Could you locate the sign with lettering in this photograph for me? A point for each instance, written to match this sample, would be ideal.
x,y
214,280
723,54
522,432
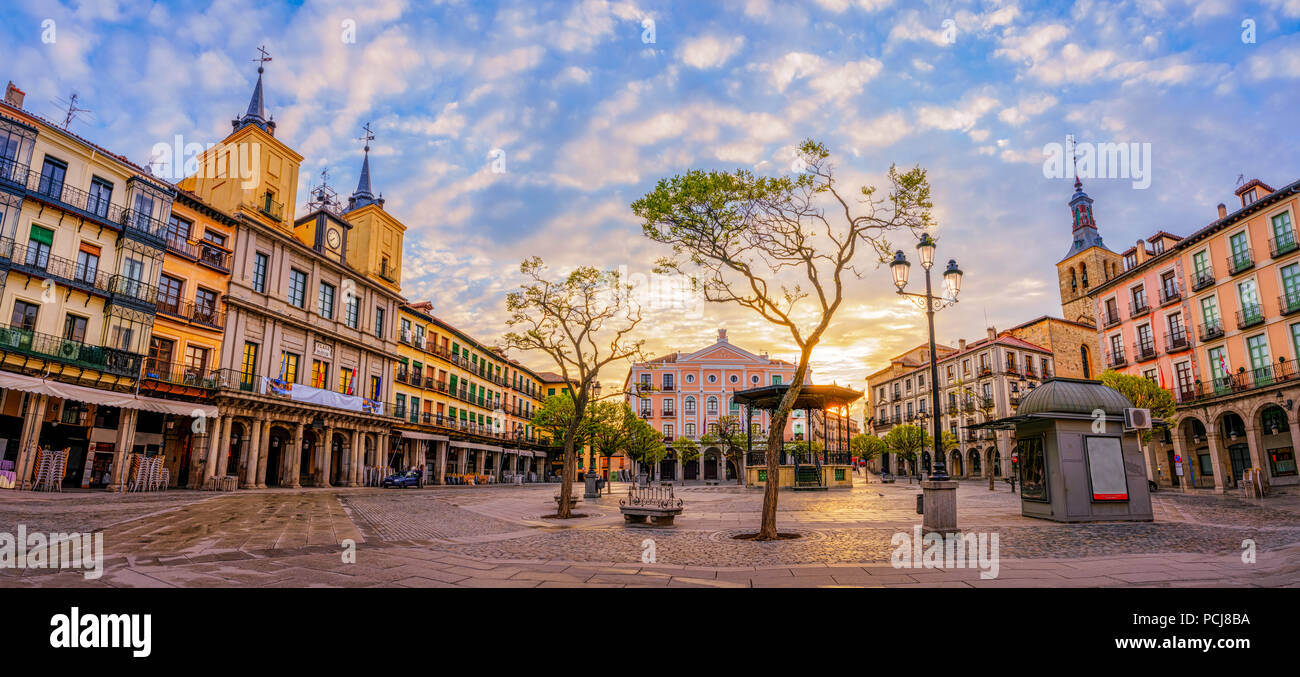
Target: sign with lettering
x,y
324,350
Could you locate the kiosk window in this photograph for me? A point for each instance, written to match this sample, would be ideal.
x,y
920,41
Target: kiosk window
x,y
1106,472
1033,469
1283,461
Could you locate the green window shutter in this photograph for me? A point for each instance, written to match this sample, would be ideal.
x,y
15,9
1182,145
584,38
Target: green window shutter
x,y
44,235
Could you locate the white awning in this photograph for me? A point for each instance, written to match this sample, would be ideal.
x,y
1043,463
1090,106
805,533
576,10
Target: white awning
x,y
472,445
109,398
411,435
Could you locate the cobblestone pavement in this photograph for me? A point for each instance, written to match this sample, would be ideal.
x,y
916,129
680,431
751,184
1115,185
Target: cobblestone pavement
x,y
498,536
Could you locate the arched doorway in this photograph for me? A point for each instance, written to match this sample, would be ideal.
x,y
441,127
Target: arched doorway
x,y
338,459
711,464
884,464
974,463
1234,438
1086,360
667,469
955,461
731,470
278,446
238,438
691,470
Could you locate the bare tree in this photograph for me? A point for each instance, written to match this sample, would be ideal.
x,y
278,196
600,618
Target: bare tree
x,y
582,322
769,243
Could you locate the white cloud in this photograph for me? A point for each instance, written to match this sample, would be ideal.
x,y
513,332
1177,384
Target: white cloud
x,y
1029,106
709,51
962,117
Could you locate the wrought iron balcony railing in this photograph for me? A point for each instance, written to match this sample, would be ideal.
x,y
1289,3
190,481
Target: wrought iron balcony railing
x,y
68,351
1239,262
1250,315
1283,244
1144,351
1175,341
1203,279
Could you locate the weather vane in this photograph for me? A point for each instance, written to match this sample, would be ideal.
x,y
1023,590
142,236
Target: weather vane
x,y
266,56
367,137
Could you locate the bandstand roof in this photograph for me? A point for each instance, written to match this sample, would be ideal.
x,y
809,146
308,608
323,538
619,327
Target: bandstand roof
x,y
810,396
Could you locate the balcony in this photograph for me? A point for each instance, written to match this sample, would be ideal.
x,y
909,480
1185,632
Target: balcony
x,y
1144,351
68,351
268,206
214,257
189,250
1240,262
1203,279
645,413
669,412
1116,358
1176,341
1170,294
387,272
1243,381
984,370
1289,302
1110,318
144,227
133,290
200,313
1211,330
166,372
1250,316
1138,307
1282,245
66,271
669,387
13,173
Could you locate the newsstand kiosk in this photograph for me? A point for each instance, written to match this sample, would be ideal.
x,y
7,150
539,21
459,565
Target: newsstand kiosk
x,y
1076,461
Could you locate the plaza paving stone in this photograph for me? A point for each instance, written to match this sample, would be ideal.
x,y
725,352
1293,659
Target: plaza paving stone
x,y
498,537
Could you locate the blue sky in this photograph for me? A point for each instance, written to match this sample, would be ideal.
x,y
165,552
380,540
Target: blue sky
x,y
589,113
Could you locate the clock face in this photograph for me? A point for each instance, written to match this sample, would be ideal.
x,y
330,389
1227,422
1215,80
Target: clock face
x,y
332,237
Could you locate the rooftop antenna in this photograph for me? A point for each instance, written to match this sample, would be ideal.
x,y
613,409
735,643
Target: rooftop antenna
x,y
1241,178
324,197
72,109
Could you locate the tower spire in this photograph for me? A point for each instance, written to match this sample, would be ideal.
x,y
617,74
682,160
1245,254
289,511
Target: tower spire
x,y
256,113
363,194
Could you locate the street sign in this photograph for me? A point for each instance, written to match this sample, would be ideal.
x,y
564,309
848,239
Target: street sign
x,y
1178,458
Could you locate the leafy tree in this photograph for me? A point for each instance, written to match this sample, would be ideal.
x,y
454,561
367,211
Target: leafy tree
x,y
1144,394
730,438
645,445
867,447
770,243
611,424
907,442
583,322
686,450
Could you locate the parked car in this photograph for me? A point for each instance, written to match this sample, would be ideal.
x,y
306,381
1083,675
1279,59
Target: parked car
x,y
410,478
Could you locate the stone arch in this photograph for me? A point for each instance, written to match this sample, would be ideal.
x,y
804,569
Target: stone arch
x,y
974,467
1086,359
956,468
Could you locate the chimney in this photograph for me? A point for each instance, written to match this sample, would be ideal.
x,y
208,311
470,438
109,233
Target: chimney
x,y
1223,210
14,96
961,344
993,333
1141,251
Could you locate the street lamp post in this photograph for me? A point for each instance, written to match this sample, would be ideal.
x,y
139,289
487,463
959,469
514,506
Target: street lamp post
x,y
939,490
930,304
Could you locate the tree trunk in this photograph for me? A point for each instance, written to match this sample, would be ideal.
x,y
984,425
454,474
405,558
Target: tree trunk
x,y
566,481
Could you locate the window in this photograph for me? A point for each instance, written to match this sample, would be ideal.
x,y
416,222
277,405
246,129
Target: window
x,y
214,237
1139,299
345,380
289,367
1291,287
711,405
1201,265
39,242
351,308
1146,344
1033,469
161,351
87,269
319,373
1248,295
24,316
297,288
178,231
74,328
1240,256
326,300
52,174
101,195
1260,362
260,262
667,382
668,430
776,379
170,290
249,366
379,322
1219,368
689,403
1168,286
690,430
375,385
713,378
205,306
196,361
735,378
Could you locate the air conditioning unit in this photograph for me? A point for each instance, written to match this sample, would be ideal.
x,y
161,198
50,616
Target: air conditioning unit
x,y
1137,419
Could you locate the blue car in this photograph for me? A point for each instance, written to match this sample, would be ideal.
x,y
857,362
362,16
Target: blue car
x,y
410,478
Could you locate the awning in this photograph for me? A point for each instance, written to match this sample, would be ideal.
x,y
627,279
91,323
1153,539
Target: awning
x,y
411,435
109,398
472,445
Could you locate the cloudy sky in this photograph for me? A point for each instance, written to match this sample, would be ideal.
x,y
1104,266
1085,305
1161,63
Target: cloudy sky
x,y
586,104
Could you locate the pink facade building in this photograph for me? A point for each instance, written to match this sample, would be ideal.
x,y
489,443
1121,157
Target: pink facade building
x,y
684,394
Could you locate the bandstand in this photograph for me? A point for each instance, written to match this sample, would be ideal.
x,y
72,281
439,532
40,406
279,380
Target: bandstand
x,y
802,469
